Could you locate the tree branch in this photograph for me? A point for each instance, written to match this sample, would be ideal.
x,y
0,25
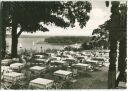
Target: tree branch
x,y
19,33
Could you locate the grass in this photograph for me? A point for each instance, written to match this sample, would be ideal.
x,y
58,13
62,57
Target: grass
x,y
97,80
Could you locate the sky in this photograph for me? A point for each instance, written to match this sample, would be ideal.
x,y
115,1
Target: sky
x,y
98,15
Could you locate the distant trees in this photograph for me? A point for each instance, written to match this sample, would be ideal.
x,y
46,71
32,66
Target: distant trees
x,y
67,40
87,46
101,36
28,15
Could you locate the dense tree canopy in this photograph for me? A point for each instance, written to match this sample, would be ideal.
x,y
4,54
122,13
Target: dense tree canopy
x,y
28,15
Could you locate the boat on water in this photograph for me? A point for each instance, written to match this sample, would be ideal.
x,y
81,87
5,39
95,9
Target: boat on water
x,y
20,45
33,43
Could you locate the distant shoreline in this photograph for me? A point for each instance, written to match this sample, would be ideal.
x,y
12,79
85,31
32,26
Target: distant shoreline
x,y
55,40
55,43
39,36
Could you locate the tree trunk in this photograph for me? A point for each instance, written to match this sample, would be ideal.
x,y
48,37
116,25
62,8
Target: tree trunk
x,y
122,55
0,39
114,32
14,41
122,64
3,31
3,51
112,60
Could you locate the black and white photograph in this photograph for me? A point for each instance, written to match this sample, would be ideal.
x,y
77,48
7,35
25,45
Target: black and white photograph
x,y
63,44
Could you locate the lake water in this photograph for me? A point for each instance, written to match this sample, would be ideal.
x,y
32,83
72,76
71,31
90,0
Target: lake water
x,y
31,43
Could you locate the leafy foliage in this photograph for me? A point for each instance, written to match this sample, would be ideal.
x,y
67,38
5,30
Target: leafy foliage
x,y
115,25
77,11
29,14
101,35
